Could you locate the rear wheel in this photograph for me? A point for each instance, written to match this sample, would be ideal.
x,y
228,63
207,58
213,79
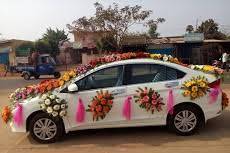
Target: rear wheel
x,y
45,129
186,120
26,76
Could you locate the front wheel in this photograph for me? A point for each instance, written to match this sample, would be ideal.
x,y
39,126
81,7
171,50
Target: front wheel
x,y
186,120
45,129
57,75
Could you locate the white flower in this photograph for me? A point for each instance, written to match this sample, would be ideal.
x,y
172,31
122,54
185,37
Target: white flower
x,y
47,102
49,110
17,90
44,96
43,106
193,67
55,113
56,107
165,58
58,100
63,106
52,96
62,113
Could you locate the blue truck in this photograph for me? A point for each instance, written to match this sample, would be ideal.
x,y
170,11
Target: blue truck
x,y
45,65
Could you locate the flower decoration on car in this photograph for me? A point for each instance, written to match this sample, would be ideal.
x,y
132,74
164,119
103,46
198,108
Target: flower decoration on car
x,y
149,99
48,85
100,105
196,87
208,69
6,114
225,100
53,105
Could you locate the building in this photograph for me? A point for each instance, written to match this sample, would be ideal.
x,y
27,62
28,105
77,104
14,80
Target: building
x,y
8,51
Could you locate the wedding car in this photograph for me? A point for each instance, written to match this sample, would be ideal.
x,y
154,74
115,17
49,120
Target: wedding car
x,y
127,93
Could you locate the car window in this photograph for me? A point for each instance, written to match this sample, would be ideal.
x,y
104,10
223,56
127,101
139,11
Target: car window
x,y
174,74
143,73
109,77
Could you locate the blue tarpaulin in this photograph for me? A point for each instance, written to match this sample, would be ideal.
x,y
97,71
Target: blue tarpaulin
x,y
168,51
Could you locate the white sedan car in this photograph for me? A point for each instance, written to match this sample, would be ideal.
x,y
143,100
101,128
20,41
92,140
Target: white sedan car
x,y
123,79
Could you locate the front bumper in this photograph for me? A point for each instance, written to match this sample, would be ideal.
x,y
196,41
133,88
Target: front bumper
x,y
15,128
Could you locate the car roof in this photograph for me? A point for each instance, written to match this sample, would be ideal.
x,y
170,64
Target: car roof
x,y
144,61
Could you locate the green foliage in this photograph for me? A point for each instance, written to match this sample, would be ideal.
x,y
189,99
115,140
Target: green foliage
x,y
153,32
42,46
189,28
211,30
53,37
26,45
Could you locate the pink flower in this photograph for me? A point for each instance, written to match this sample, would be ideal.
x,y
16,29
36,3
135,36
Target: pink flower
x,y
154,102
146,98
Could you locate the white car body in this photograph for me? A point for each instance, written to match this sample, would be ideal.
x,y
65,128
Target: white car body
x,y
114,118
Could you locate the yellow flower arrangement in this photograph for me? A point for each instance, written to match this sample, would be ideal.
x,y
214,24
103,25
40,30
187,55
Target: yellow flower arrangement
x,y
196,87
156,56
67,77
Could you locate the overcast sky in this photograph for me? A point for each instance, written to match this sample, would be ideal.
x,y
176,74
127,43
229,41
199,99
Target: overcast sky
x,y
28,19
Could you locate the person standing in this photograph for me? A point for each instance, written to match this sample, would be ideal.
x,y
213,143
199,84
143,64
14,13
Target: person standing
x,y
224,60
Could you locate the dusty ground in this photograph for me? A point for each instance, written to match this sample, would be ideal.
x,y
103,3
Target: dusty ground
x,y
215,137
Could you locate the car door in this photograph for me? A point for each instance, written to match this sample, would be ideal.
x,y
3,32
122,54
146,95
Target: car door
x,y
107,79
139,77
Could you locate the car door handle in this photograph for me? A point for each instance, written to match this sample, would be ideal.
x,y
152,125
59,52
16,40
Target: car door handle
x,y
171,84
118,91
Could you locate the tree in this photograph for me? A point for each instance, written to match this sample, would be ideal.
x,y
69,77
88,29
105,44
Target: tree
x,y
53,37
189,28
115,20
42,46
106,43
211,30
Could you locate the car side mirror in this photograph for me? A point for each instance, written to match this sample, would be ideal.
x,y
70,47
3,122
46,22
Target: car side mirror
x,y
73,87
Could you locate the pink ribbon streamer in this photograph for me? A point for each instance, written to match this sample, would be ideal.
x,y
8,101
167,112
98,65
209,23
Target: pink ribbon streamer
x,y
170,102
213,95
80,114
18,115
126,112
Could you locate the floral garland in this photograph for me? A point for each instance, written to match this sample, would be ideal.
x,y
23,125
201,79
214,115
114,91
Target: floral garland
x,y
100,105
53,105
149,99
208,69
21,94
196,87
6,114
225,100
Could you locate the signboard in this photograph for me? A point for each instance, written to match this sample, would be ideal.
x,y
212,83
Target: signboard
x,y
193,37
22,60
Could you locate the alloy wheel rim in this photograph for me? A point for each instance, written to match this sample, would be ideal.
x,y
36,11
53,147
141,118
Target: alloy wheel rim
x,y
185,121
45,129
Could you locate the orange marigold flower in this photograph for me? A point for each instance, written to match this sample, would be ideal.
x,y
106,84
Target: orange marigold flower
x,y
6,114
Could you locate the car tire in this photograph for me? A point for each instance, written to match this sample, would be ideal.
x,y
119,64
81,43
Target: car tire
x,y
57,75
185,120
36,76
46,129
26,76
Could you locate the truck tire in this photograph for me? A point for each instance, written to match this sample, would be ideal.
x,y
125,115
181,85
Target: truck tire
x,y
26,76
36,76
57,75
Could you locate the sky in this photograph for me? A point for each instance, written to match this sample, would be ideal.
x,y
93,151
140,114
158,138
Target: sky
x,y
28,19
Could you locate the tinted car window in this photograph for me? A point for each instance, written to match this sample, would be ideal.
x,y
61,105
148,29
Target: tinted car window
x,y
174,74
108,77
143,73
